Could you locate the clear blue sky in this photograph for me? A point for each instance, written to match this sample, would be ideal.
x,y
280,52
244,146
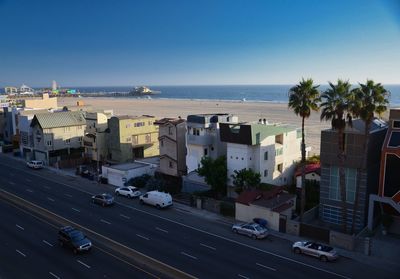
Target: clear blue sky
x,y
173,42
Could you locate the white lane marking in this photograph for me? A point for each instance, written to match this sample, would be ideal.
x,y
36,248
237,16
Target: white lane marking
x,y
141,236
124,216
19,227
19,252
55,276
50,199
104,221
190,256
209,247
74,209
68,195
10,182
159,229
44,241
242,276
47,187
199,230
28,180
29,190
82,263
267,267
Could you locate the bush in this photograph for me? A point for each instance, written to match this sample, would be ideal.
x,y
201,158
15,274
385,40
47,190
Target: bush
x,y
139,181
227,209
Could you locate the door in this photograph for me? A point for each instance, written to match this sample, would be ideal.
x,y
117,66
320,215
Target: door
x,y
138,152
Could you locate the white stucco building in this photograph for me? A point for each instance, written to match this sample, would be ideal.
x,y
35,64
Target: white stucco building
x,y
269,149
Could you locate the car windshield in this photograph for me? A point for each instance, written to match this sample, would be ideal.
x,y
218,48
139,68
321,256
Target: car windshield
x,y
258,228
326,248
107,196
77,235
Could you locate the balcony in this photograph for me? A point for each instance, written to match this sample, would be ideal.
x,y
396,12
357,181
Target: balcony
x,y
200,140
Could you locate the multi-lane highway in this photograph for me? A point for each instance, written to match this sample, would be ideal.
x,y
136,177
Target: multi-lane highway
x,y
195,246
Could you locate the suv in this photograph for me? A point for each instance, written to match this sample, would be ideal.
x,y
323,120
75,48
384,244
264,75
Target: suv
x,y
34,164
74,239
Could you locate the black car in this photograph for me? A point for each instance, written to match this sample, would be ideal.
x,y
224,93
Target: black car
x,y
74,239
103,199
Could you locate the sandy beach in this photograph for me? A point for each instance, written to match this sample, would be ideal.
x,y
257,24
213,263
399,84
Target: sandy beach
x,y
247,111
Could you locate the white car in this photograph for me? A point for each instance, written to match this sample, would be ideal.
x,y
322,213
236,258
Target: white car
x,y
34,164
128,191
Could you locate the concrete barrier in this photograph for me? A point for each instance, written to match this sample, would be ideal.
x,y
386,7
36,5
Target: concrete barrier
x,y
130,253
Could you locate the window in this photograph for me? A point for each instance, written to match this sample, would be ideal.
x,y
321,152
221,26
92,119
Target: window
x,y
279,151
148,138
169,130
279,168
67,129
80,139
196,132
67,141
79,127
129,139
135,139
49,143
162,143
266,155
265,173
334,187
139,124
171,165
205,151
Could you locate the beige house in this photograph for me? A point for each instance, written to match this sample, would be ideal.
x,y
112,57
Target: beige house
x,y
275,206
172,138
44,103
58,136
95,139
132,137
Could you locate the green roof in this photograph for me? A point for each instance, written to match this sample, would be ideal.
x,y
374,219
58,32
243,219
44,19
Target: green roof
x,y
261,131
59,119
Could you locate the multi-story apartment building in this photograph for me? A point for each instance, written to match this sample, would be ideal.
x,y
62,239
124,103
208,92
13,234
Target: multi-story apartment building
x,y
132,137
330,198
58,136
172,138
203,137
95,139
388,196
269,149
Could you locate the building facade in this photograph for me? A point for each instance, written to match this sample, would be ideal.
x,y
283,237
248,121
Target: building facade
x,y
203,137
132,137
330,197
268,149
58,136
172,140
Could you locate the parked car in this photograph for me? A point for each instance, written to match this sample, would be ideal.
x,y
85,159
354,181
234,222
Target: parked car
x,y
103,199
157,199
128,191
253,230
73,239
261,222
323,252
35,164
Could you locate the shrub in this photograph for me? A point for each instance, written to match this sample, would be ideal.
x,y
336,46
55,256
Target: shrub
x,y
227,209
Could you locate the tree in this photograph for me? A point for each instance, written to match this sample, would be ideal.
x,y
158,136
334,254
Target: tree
x,y
245,179
335,105
367,100
303,98
215,173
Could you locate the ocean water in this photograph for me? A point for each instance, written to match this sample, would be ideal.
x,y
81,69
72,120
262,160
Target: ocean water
x,y
266,93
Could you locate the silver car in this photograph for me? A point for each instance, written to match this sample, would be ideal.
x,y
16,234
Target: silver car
x,y
253,230
323,252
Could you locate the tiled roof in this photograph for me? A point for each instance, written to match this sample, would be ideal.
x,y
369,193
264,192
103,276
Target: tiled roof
x,y
309,169
59,119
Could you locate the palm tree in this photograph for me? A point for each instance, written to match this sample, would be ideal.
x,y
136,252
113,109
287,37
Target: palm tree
x,y
335,107
368,99
303,98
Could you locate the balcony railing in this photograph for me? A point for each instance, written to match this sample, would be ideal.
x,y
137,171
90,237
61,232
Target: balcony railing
x,y
200,140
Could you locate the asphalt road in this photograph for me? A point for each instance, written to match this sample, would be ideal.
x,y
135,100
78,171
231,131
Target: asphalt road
x,y
204,253
29,249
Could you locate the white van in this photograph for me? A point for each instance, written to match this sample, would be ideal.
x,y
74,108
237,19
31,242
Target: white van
x,y
157,199
35,164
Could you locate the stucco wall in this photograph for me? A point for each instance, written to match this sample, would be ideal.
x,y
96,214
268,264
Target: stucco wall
x,y
247,213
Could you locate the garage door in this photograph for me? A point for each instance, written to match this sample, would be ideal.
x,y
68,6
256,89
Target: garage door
x,y
114,178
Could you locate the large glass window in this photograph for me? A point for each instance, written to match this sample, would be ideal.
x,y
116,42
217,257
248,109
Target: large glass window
x,y
334,187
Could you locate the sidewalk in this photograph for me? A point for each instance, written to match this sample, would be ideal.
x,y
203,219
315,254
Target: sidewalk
x,y
385,250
